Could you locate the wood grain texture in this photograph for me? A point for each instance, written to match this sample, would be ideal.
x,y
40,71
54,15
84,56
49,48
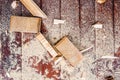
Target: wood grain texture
x,y
69,51
117,37
46,45
25,12
104,37
25,24
116,25
87,19
52,9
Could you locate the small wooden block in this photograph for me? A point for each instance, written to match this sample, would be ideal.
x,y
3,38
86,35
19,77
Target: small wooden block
x,y
69,51
47,45
33,8
25,24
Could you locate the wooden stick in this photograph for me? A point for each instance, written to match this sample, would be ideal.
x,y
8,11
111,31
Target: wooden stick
x,y
33,8
47,45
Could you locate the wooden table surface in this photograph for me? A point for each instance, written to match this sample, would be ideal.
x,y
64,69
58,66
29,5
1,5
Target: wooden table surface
x,y
24,58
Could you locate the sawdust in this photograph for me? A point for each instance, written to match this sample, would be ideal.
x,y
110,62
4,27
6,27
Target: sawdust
x,y
33,54
14,4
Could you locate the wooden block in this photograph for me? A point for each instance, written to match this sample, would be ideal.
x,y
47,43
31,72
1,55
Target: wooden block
x,y
69,51
25,24
47,45
33,8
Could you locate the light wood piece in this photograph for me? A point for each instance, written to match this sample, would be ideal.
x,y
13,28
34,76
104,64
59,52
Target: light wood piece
x,y
25,24
33,8
69,51
47,45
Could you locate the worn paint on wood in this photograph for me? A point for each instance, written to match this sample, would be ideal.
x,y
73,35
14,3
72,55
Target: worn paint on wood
x,y
87,19
11,48
117,24
117,37
104,37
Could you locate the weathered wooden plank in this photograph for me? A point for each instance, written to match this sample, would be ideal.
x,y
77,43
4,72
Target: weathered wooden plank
x,y
11,48
52,9
87,18
104,37
1,1
117,25
7,11
70,13
117,37
71,28
0,6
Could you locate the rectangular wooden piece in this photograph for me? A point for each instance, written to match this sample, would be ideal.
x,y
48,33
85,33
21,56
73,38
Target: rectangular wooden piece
x,y
25,24
69,51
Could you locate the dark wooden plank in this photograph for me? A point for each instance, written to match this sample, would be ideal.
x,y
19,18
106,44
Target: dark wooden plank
x,y
1,1
117,37
117,24
52,9
104,37
10,42
87,19
70,13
